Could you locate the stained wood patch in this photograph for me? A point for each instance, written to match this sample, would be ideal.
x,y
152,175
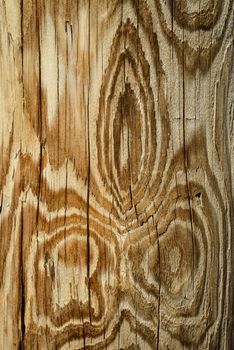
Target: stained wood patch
x,y
116,174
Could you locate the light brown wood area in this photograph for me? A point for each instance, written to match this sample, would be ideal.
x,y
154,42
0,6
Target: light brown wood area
x,y
116,174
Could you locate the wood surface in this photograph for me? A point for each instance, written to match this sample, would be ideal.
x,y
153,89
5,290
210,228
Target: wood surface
x,y
116,174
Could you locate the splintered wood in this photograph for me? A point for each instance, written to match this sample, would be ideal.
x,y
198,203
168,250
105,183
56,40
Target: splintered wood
x,y
116,174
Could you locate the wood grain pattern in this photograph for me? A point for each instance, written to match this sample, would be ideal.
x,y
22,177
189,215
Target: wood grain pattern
x,y
196,29
116,190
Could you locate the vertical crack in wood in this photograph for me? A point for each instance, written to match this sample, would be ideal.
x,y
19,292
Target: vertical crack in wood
x,y
39,123
88,168
159,291
22,287
21,246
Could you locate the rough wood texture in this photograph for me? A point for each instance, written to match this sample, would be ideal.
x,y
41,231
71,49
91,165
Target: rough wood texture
x,y
116,174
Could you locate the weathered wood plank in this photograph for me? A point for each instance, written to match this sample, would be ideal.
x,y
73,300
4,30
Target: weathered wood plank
x,y
117,170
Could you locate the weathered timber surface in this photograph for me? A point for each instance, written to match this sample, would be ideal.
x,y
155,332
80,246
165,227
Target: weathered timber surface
x,y
116,174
